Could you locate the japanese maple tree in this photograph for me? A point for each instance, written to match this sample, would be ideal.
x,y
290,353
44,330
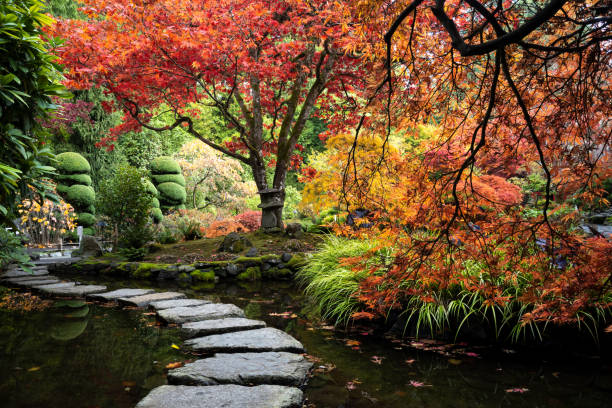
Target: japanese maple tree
x,y
264,64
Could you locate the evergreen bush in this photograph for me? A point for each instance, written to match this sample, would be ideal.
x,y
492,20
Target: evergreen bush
x,y
165,165
72,163
172,193
169,178
80,196
70,179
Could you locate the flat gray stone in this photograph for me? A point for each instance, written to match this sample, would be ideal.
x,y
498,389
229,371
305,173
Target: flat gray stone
x,y
145,300
120,293
203,312
60,285
223,396
75,291
218,326
258,340
277,368
21,279
169,304
34,282
20,272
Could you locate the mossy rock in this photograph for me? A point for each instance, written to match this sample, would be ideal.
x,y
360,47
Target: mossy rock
x,y
86,219
150,188
296,262
278,273
157,215
71,179
80,196
145,271
250,273
174,193
155,203
72,163
165,165
202,276
169,178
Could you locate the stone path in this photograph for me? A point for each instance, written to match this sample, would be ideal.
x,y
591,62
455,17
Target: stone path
x,y
254,366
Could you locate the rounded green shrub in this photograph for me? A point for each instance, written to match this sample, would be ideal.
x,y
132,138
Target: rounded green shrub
x,y
80,196
71,179
90,209
72,163
165,165
155,203
169,178
62,189
181,207
173,192
157,215
88,231
150,187
86,219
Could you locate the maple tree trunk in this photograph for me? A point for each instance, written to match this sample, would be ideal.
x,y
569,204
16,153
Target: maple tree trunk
x,y
272,200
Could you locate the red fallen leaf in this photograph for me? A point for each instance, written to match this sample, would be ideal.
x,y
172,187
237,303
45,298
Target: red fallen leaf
x,y
471,354
412,360
518,390
418,384
376,360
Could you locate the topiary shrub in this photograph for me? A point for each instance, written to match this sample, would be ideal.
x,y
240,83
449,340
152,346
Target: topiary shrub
x,y
72,163
80,196
157,215
165,165
172,193
169,183
74,185
171,178
70,179
150,187
86,219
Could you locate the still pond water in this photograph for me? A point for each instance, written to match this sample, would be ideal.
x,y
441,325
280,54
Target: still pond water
x,y
90,356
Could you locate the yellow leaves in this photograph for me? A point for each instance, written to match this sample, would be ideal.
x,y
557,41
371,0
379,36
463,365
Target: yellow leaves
x,y
174,346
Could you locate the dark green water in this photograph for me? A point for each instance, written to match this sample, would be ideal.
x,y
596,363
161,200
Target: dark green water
x,y
95,356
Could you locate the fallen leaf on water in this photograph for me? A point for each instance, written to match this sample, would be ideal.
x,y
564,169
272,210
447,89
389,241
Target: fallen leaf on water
x,y
519,390
351,385
418,384
128,383
174,346
471,354
608,329
376,360
412,360
555,374
352,343
454,361
34,369
174,365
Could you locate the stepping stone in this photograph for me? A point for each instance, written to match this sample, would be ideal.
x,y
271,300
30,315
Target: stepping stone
x,y
34,282
20,272
120,293
60,285
76,291
266,339
169,304
218,326
145,300
203,312
223,396
244,369
23,279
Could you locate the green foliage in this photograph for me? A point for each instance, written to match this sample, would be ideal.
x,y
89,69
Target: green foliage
x,y
80,196
13,251
165,165
190,228
331,285
169,178
151,189
167,236
72,163
292,200
172,193
203,276
86,219
71,179
134,254
28,80
64,8
125,202
156,213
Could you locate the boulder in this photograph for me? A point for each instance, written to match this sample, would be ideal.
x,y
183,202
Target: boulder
x,y
234,243
90,246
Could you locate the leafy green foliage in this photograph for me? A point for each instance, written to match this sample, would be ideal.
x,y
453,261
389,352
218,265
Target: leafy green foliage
x,y
127,205
12,250
72,163
80,196
169,178
172,193
293,197
28,79
71,179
